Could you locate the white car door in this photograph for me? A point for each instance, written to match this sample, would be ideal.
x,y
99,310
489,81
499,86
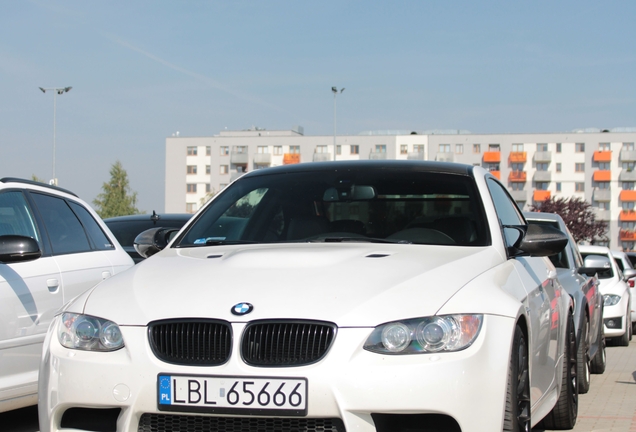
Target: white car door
x,y
30,295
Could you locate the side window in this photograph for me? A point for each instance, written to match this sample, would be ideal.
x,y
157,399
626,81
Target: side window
x,y
98,239
65,231
16,217
507,211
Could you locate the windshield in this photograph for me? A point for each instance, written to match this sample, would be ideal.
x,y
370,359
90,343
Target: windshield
x,y
381,205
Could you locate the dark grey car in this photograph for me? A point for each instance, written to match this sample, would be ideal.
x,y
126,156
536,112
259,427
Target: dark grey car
x,y
588,314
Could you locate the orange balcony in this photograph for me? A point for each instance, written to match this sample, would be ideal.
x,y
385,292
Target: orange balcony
x,y
627,235
627,195
603,156
492,156
496,174
602,175
541,195
627,216
291,158
517,157
517,176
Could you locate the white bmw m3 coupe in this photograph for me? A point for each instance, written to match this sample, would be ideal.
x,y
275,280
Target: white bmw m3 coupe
x,y
365,296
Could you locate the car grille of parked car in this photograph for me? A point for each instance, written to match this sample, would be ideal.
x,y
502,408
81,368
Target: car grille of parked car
x,y
191,342
183,423
286,343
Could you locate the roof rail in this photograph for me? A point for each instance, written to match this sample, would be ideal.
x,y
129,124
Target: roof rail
x,y
36,183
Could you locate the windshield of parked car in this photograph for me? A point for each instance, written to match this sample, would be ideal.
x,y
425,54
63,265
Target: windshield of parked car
x,y
380,205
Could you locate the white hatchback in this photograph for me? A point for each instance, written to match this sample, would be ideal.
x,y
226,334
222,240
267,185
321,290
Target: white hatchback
x,y
53,247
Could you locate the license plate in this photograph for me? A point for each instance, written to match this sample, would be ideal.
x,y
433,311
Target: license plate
x,y
232,394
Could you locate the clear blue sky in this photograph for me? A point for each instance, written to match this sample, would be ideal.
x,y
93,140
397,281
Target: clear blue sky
x,y
142,70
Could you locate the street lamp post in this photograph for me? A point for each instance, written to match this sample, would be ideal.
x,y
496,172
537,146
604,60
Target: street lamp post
x,y
335,92
56,91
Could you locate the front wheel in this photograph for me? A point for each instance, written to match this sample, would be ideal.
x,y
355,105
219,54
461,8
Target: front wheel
x,y
563,415
517,410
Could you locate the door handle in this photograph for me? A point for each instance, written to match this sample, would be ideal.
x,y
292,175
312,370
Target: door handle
x,y
52,285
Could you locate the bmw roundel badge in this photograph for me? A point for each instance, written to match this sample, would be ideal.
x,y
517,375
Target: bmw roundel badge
x,y
242,308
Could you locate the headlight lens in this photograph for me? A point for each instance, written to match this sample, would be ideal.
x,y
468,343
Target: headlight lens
x,y
85,332
425,335
611,299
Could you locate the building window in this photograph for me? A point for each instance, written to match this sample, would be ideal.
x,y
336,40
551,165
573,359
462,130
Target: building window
x,y
262,149
380,148
604,166
604,146
494,147
629,166
444,148
558,147
558,186
603,205
208,188
627,246
627,205
240,149
192,151
208,169
191,207
517,186
322,149
418,148
558,167
579,167
354,149
579,187
541,186
517,148
628,185
627,226
603,185
208,151
191,169
224,169
191,188
579,147
294,149
476,148
278,150
459,148
628,146
516,166
225,150
542,147
404,149
543,166
222,186
338,149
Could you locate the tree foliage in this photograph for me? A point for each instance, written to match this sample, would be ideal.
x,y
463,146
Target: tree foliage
x,y
578,217
116,199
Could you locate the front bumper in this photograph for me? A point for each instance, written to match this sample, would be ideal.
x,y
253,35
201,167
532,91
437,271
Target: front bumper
x,y
350,383
620,312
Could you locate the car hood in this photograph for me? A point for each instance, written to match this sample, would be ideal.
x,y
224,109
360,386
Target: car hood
x,y
353,284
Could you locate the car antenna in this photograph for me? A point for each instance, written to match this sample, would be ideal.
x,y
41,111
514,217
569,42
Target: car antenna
x,y
155,217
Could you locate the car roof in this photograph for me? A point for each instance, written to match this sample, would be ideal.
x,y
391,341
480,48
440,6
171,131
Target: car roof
x,y
24,182
149,217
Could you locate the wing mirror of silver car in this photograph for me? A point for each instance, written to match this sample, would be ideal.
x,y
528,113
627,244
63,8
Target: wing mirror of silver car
x,y
16,248
595,264
153,240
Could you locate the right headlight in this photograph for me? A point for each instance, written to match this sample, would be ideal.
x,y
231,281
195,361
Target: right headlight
x,y
88,333
425,335
611,299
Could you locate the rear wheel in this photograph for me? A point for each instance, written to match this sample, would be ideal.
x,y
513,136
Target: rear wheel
x,y
517,414
563,415
626,337
597,366
583,358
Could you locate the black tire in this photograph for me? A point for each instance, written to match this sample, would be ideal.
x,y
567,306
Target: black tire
x,y
626,337
583,358
597,366
517,413
563,415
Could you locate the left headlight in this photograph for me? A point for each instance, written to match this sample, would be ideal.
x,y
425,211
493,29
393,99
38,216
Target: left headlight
x,y
425,335
88,333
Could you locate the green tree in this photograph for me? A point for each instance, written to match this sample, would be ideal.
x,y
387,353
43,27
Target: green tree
x,y
578,217
38,179
116,199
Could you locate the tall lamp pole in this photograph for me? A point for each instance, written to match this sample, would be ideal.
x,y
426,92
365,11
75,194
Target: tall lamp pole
x,y
335,92
56,91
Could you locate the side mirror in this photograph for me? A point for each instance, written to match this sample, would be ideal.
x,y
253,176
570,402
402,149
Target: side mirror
x,y
539,240
595,264
153,240
16,248
629,273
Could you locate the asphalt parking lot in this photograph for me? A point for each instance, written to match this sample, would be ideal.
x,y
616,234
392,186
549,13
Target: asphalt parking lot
x,y
610,405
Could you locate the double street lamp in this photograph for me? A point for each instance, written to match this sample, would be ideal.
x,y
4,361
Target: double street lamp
x,y
335,92
56,91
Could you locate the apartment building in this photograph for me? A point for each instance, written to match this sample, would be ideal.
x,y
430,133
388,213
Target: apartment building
x,y
593,165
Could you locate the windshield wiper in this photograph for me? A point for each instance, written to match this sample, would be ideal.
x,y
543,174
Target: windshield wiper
x,y
357,239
